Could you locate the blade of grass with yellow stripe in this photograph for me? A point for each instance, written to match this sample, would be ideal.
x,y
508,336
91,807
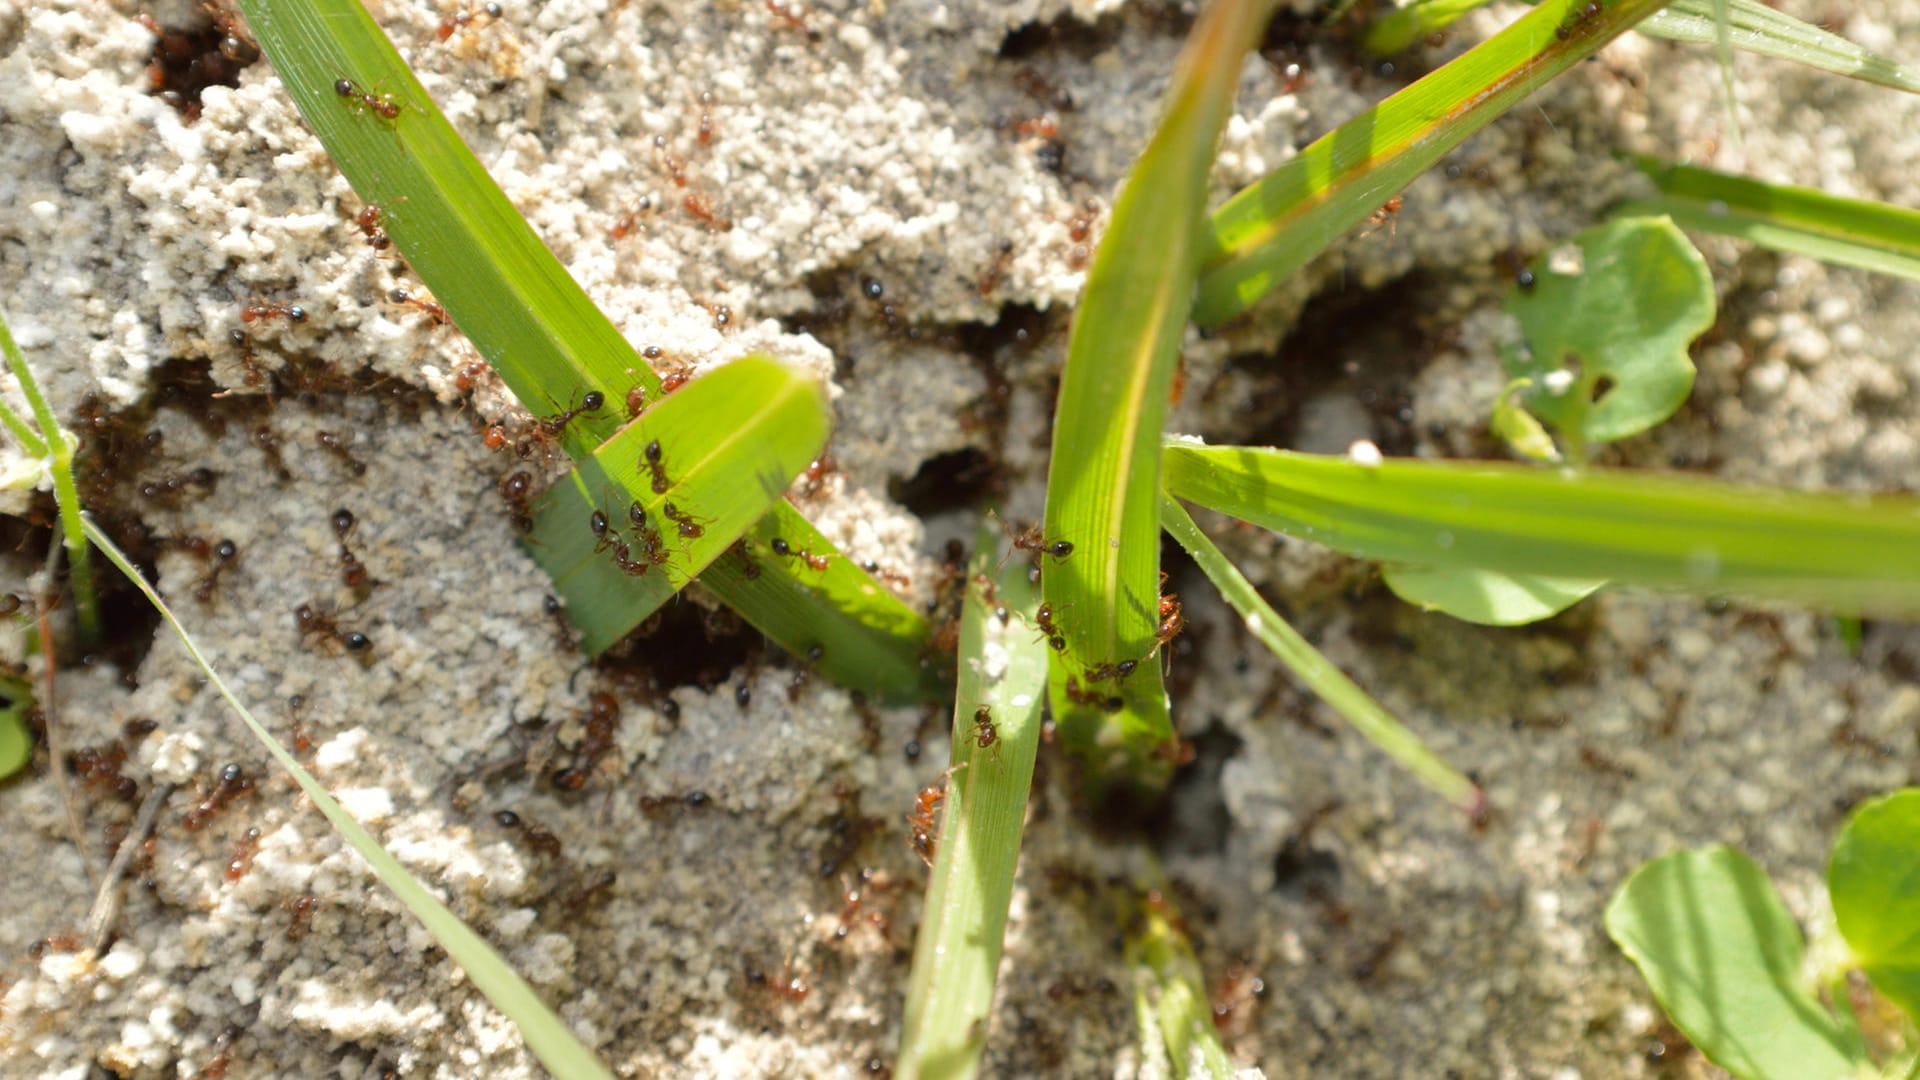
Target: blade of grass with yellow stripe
x,y
1103,485
1279,223
539,330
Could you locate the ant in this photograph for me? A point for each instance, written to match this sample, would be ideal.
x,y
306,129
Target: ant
x,y
700,204
852,899
368,222
603,720
532,833
792,17
1386,215
653,464
223,553
1031,539
242,857
312,622
1079,696
517,489
922,828
985,734
383,104
264,309
268,444
624,225
1577,21
169,489
1079,230
460,20
432,310
816,475
1043,618
690,528
353,574
96,766
636,401
996,270
336,445
590,402
1112,671
233,783
300,909
814,562
1171,621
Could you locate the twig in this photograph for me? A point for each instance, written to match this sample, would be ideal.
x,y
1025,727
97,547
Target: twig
x,y
106,901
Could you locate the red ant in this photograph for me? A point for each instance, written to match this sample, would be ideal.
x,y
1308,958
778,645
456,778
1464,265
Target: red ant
x,y
337,446
382,105
792,17
1171,621
1031,539
312,622
690,528
368,222
636,401
268,444
1079,229
996,270
353,574
96,766
816,475
432,310
495,437
223,553
652,463
1112,671
814,562
623,226
460,20
923,829
301,909
517,489
233,783
1043,619
242,857
262,310
1093,698
1577,21
851,900
701,205
1386,215
590,402
677,375
985,734
302,739
536,836
603,720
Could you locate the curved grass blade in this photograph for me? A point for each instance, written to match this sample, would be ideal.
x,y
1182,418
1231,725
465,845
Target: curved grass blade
x,y
1852,553
1273,227
1169,989
700,467
1103,484
1003,670
55,446
1850,232
545,1033
532,322
1757,28
1354,705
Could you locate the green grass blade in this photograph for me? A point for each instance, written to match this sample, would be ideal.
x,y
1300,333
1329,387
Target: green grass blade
x,y
16,742
1103,484
957,952
546,1034
729,443
55,446
1169,989
1757,28
1850,232
1353,704
1400,28
1853,553
532,322
1273,227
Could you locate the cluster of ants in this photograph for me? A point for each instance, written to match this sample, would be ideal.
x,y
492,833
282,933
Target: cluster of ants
x,y
315,622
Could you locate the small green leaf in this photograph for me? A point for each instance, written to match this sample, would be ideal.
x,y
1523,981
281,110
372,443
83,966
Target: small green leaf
x,y
718,454
1722,954
1487,597
16,742
1606,324
1875,882
1520,429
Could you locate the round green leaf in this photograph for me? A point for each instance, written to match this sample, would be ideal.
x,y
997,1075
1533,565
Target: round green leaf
x,y
1487,597
1875,882
1722,955
1606,324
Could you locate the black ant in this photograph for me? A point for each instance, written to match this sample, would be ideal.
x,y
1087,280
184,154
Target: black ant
x,y
653,464
1112,671
383,104
337,446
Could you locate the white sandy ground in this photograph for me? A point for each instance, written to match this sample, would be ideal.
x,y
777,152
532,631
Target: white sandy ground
x,y
1391,940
